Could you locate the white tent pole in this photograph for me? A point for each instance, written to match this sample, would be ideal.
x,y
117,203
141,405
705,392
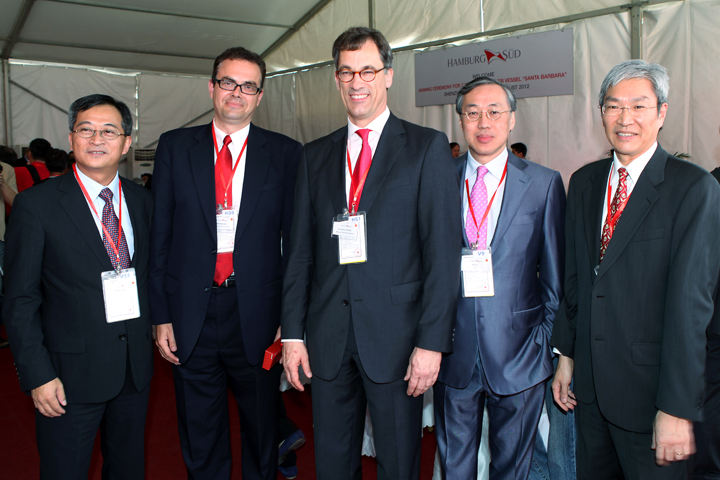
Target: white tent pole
x,y
6,102
636,20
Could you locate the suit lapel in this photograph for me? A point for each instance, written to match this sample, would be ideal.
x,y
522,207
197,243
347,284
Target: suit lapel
x,y
74,203
257,162
593,199
517,183
333,169
461,167
642,198
392,141
202,165
139,222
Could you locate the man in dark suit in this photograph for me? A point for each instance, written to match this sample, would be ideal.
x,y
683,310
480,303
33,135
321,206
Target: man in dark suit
x,y
86,362
641,267
707,461
224,200
376,306
513,212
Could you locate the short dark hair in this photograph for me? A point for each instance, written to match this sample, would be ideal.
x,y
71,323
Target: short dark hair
x,y
519,147
355,37
95,100
468,87
8,155
239,53
453,145
40,149
57,162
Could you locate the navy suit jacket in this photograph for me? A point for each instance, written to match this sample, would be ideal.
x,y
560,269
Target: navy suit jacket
x,y
511,330
405,294
636,329
184,234
54,310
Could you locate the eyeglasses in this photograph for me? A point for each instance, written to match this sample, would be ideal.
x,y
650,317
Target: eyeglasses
x,y
346,75
635,110
230,86
106,133
493,115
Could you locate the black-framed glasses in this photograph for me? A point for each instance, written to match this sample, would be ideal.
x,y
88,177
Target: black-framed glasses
x,y
346,75
106,133
231,85
493,115
635,110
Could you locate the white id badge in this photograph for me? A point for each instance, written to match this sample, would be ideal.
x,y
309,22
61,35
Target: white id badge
x,y
226,220
477,273
350,230
121,295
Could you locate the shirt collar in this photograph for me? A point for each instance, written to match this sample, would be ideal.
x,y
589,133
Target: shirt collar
x,y
495,167
93,188
238,138
636,167
376,125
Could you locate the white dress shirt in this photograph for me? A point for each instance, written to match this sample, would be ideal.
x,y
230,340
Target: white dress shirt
x,y
634,169
93,189
495,167
355,144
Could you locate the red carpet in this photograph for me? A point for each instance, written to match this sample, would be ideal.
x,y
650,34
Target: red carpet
x,y
19,459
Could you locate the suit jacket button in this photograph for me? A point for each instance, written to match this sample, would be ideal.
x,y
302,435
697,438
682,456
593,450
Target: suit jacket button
x,y
345,302
213,251
207,289
123,337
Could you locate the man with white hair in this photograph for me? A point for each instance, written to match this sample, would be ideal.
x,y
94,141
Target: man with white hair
x,y
641,268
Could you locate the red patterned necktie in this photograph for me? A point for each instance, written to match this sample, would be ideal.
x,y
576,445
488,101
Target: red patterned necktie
x,y
223,177
618,200
479,201
361,166
110,220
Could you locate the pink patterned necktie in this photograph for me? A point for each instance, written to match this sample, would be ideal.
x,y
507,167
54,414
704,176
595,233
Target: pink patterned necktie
x,y
110,220
618,200
479,201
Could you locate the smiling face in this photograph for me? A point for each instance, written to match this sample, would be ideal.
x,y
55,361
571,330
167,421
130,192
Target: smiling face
x,y
234,110
486,138
631,136
364,101
97,157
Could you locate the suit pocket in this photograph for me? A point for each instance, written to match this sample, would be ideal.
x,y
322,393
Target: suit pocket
x,y
171,284
407,292
524,219
646,353
527,318
65,344
396,182
274,288
646,235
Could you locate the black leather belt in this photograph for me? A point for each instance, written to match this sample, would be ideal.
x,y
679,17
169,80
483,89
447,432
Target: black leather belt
x,y
230,282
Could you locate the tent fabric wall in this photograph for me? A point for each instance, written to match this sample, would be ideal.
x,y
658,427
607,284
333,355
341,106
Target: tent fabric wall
x,y
32,118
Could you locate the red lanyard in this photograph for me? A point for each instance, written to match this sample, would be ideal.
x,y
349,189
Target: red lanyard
x,y
613,219
92,204
227,185
487,209
358,189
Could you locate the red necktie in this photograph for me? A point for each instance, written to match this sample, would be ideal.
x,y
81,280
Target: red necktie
x,y
223,183
111,222
618,200
361,167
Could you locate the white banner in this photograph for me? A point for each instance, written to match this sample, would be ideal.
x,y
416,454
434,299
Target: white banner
x,y
536,65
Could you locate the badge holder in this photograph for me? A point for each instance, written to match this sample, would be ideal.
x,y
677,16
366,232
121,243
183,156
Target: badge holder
x,y
350,230
226,220
120,294
477,273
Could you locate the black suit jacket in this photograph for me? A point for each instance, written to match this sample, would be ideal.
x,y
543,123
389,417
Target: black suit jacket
x,y
715,323
636,329
406,293
54,310
184,234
